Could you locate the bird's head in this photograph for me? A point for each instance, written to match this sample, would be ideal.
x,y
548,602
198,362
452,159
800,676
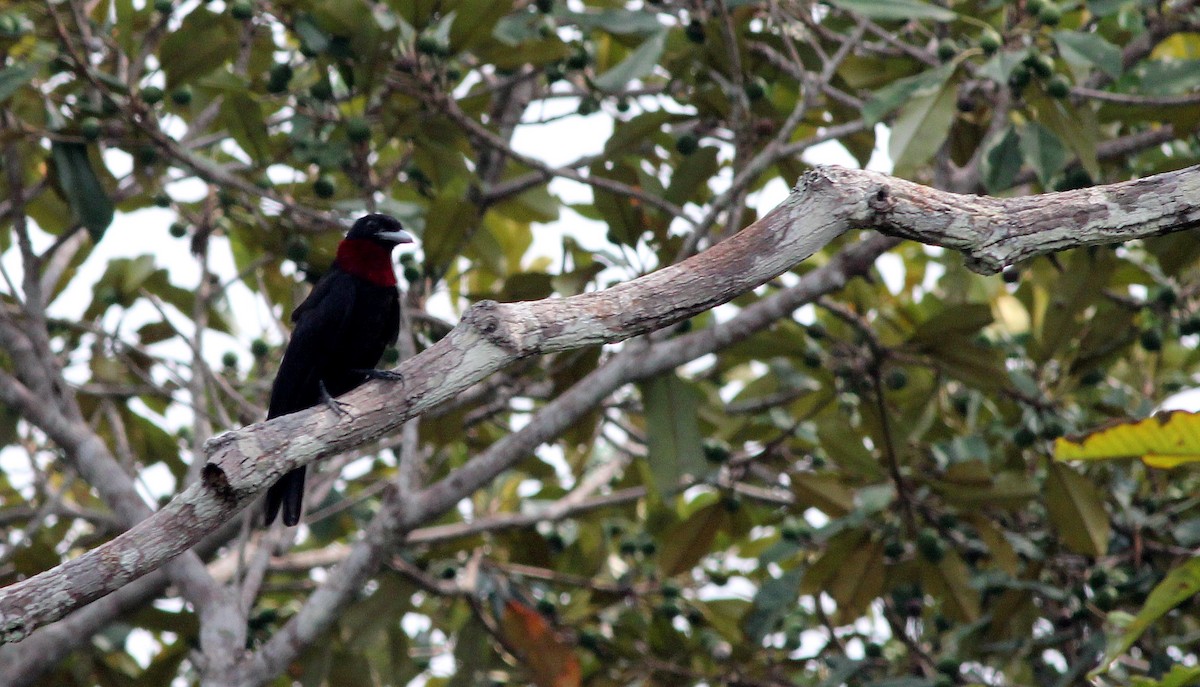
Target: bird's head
x,y
380,229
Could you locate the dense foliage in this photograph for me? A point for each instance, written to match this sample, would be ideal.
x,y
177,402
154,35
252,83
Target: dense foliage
x,y
860,492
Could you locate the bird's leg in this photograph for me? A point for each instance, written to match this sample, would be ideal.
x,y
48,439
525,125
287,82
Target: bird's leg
x,y
387,375
331,402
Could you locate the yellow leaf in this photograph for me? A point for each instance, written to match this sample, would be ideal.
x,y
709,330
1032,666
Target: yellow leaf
x,y
1164,440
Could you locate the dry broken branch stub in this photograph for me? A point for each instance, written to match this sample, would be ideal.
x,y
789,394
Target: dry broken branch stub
x,y
827,202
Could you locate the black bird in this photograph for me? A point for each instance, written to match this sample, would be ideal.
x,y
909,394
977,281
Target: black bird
x,y
341,330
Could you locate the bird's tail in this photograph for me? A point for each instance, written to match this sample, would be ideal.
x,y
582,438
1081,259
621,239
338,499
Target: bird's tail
x,y
287,493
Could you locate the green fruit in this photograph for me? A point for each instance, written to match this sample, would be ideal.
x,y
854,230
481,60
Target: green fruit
x,y
948,666
162,200
929,543
321,90
1190,326
259,348
1092,378
1167,296
278,78
230,359
429,44
812,359
732,503
391,356
947,49
623,105
873,650
1050,15
687,143
358,130
1106,598
628,546
341,48
1035,7
816,331
1151,340
1011,275
1098,577
177,230
182,95
147,155
990,41
1053,429
589,639
1058,86
151,95
893,548
718,577
1019,77
1024,437
670,590
544,6
164,6
695,31
553,72
296,249
545,606
555,542
792,531
448,572
756,88
896,379
241,10
225,198
715,452
588,105
579,58
90,128
412,275
1042,65
324,186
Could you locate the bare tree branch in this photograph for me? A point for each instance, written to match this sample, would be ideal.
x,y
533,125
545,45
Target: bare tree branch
x,y
826,203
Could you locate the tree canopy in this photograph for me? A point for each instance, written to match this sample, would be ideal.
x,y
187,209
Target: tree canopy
x,y
846,475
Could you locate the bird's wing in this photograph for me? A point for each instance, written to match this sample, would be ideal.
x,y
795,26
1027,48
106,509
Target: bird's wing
x,y
391,323
319,322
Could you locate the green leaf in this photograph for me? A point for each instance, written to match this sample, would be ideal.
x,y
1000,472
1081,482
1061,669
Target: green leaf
x,y
243,116
899,10
922,125
621,22
1169,77
1077,127
950,580
13,78
637,64
1180,585
775,598
901,91
1076,510
691,176
1043,151
1089,48
1002,161
672,430
79,183
687,542
205,41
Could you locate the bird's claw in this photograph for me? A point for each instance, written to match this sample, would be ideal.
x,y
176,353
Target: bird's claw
x,y
386,375
331,402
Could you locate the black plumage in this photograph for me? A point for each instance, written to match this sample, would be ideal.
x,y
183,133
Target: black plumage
x,y
342,329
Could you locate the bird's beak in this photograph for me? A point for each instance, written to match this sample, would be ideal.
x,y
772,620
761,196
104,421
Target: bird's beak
x,y
395,236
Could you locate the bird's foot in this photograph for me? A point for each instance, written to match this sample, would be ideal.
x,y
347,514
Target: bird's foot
x,y
386,375
331,402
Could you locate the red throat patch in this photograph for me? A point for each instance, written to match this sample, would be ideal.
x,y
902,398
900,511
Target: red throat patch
x,y
367,260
